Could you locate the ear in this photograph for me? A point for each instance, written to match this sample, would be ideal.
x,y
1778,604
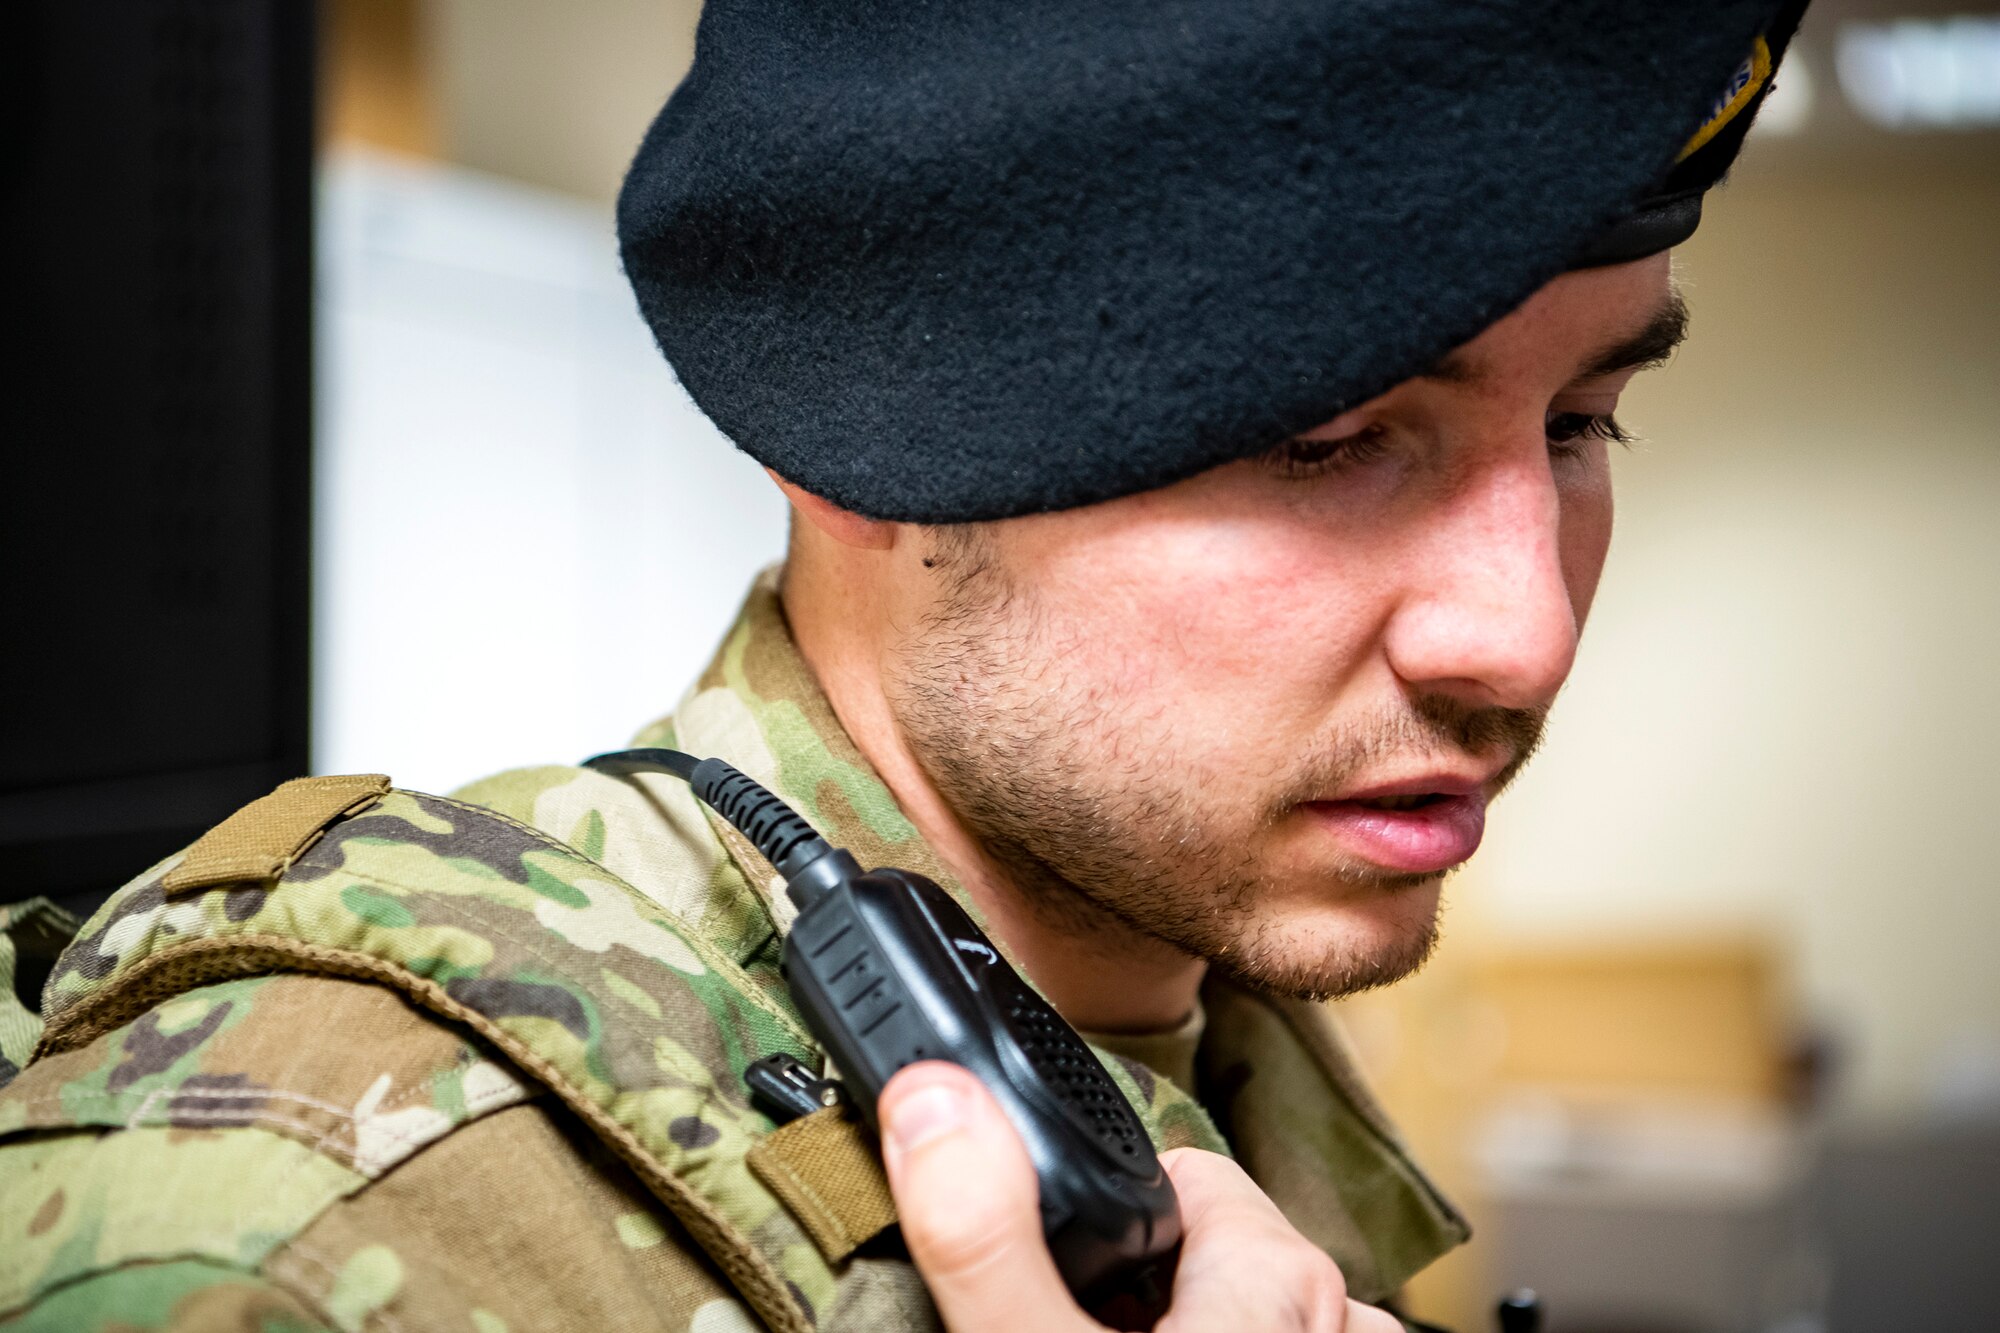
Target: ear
x,y
843,525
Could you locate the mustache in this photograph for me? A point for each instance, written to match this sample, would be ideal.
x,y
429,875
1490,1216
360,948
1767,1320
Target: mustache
x,y
1430,725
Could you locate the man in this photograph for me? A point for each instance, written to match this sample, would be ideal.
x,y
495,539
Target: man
x,y
1196,420
1241,724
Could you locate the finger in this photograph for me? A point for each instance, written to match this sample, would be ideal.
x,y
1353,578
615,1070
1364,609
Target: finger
x,y
1243,1265
1206,1182
967,1196
1369,1319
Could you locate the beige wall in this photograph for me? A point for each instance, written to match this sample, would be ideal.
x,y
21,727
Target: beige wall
x,y
556,94
1785,715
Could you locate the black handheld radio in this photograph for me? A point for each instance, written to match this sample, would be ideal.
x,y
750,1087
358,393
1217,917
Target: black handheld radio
x,y
888,970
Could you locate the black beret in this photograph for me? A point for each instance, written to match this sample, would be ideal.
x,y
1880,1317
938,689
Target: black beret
x,y
966,260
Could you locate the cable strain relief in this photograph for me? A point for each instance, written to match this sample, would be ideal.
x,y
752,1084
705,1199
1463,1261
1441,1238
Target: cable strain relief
x,y
787,841
821,875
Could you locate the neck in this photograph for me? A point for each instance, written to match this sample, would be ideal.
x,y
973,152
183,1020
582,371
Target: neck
x,y
1101,974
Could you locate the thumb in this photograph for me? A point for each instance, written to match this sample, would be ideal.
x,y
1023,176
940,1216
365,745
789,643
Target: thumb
x,y
967,1196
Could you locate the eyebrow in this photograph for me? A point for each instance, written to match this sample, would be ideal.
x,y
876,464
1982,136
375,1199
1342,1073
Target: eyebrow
x,y
1649,347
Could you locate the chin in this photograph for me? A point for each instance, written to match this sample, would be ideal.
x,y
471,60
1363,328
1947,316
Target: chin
x,y
1342,948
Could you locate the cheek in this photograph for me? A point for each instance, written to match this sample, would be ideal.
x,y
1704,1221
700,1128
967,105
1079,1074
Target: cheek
x,y
1220,624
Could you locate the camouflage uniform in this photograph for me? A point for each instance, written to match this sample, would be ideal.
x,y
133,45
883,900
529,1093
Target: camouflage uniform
x,y
476,1064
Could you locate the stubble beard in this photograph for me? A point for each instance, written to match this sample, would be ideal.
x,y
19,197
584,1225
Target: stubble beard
x,y
1106,834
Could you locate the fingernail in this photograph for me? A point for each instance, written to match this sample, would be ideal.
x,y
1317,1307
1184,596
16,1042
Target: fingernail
x,y
926,1114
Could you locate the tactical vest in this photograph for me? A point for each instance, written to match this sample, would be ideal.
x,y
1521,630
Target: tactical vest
x,y
556,976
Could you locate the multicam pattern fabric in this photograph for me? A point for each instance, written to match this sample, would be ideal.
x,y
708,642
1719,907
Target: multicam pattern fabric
x,y
368,1096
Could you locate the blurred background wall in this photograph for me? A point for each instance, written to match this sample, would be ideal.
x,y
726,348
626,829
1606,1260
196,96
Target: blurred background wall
x,y
529,540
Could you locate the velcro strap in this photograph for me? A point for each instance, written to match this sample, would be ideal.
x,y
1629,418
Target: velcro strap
x,y
824,1169
260,841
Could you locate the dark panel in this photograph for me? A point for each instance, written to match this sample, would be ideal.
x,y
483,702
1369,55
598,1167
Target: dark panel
x,y
157,187
1914,1221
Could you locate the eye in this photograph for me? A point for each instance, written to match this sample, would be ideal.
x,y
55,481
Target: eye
x,y
1301,458
1567,431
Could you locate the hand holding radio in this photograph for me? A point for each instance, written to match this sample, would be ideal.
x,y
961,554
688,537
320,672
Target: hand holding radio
x,y
966,1192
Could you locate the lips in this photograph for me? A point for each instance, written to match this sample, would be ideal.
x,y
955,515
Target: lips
x,y
1410,828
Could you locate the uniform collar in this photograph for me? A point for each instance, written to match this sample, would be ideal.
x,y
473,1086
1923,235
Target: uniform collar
x,y
759,707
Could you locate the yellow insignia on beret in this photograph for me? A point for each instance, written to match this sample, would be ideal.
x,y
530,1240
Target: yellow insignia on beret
x,y
1739,92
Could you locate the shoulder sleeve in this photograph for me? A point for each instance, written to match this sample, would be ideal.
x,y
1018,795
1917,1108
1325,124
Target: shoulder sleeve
x,y
211,1166
206,1131
517,1222
182,1296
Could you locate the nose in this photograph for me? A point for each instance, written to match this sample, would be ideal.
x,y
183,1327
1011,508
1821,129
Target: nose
x,y
1486,615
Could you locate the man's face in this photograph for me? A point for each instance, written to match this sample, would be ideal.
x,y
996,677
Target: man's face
x,y
1258,714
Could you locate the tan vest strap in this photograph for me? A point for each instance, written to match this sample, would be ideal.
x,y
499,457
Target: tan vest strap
x,y
260,841
825,1170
